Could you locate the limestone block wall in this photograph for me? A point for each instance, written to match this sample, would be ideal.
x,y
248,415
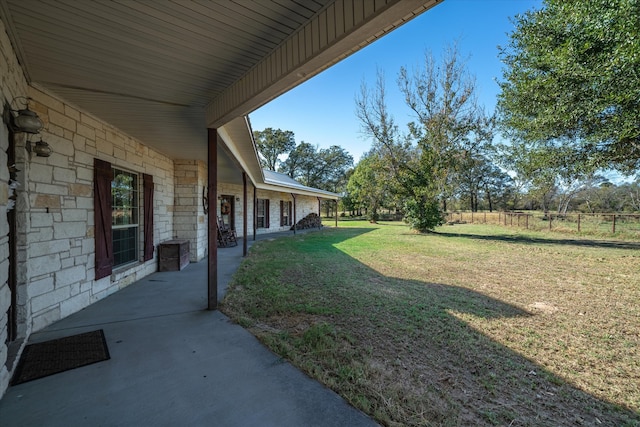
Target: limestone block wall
x,y
189,218
237,192
59,226
304,206
12,84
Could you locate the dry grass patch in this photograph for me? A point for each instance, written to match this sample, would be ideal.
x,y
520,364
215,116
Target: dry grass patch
x,y
472,325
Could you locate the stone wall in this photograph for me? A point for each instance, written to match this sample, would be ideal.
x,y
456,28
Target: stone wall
x,y
12,84
304,206
59,227
189,218
54,208
237,192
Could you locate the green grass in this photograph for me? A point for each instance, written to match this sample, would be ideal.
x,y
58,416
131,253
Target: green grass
x,y
471,325
627,226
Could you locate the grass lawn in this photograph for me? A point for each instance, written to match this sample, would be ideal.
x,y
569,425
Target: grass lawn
x,y
471,325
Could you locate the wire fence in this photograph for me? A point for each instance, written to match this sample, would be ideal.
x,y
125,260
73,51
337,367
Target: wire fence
x,y
601,224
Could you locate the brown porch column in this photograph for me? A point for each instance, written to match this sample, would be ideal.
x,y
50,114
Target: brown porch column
x,y
212,224
244,213
336,213
295,223
255,211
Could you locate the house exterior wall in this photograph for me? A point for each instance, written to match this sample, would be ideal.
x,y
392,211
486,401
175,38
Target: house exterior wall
x,y
189,217
237,192
12,84
304,205
54,207
55,213
59,227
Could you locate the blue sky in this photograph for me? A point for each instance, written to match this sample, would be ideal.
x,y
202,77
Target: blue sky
x,y
321,111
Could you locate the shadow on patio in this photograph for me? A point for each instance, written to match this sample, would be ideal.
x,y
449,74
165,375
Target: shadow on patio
x,y
174,363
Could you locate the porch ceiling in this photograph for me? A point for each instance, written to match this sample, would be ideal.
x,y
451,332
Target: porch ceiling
x,y
164,71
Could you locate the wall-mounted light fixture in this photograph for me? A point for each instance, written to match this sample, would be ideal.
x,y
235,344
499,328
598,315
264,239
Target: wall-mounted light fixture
x,y
40,148
23,120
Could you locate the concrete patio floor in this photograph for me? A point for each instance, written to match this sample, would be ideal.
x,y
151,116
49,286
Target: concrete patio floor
x,y
173,363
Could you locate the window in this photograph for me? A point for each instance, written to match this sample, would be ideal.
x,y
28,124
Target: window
x,y
262,213
117,217
124,216
285,213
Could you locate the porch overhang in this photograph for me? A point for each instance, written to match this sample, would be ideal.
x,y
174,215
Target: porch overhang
x,y
165,71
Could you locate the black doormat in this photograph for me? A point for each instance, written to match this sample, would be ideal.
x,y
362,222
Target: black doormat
x,y
59,355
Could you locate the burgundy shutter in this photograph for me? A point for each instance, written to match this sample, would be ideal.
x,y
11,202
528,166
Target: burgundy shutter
x,y
102,177
147,188
282,213
266,213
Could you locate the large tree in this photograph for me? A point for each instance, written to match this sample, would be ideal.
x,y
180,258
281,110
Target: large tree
x,y
272,143
449,126
572,78
369,184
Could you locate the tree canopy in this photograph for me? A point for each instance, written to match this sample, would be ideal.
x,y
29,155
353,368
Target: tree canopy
x,y
323,168
271,144
572,78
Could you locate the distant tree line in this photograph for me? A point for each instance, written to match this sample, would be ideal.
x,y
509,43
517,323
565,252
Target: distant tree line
x,y
322,168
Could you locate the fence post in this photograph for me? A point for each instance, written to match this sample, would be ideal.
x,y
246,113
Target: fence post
x,y
614,224
578,223
549,222
485,217
471,217
526,218
518,220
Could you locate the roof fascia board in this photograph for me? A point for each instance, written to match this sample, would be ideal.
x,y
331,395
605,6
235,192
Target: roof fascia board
x,y
303,192
342,28
232,148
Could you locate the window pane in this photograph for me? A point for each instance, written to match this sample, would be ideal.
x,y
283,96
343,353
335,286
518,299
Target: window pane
x,y
124,217
260,223
125,245
124,191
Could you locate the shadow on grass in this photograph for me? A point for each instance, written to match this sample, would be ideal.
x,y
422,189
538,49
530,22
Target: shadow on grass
x,y
403,351
607,244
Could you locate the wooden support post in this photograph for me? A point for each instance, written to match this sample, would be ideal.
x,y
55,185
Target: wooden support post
x,y
578,223
255,212
613,227
336,213
550,222
526,221
295,219
245,214
212,239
